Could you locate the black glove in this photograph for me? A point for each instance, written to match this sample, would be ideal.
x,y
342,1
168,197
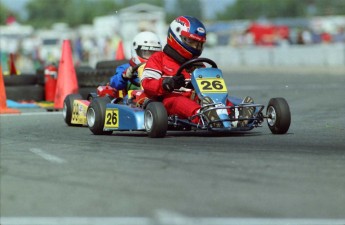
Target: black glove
x,y
171,83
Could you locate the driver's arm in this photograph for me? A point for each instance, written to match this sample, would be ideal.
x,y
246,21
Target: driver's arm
x,y
151,79
117,81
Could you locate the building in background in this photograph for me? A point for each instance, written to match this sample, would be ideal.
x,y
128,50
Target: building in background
x,y
141,17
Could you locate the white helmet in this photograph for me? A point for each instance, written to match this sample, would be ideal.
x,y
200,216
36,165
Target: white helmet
x,y
144,45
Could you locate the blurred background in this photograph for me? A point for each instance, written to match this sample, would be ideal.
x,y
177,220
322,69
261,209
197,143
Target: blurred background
x,y
33,30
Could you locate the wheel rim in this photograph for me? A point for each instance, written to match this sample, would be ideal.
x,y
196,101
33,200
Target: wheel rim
x,y
148,120
91,117
272,116
64,110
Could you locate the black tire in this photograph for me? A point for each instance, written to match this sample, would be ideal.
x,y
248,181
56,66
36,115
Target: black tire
x,y
25,93
40,76
85,91
156,120
68,108
96,114
279,114
83,68
95,78
20,80
110,64
86,77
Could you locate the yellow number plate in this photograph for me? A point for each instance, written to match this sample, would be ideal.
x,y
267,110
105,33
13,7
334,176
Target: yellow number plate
x,y
79,112
211,85
111,118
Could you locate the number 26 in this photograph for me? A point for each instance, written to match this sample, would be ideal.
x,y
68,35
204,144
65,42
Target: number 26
x,y
112,118
207,85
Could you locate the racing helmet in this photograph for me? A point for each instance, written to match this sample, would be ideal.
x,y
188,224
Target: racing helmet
x,y
187,36
144,45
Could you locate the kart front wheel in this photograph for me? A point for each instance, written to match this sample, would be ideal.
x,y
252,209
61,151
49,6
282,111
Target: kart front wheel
x,y
279,116
68,108
156,120
95,116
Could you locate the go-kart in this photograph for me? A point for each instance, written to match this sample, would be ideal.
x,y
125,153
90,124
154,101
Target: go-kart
x,y
136,112
75,107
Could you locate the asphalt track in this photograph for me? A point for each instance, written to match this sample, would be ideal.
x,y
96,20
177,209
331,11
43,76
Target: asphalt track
x,y
54,174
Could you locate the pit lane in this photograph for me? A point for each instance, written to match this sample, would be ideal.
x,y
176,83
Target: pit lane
x,y
51,170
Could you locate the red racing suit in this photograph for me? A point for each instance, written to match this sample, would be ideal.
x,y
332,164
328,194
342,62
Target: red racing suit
x,y
178,102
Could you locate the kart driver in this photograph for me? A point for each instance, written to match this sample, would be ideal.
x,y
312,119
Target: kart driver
x,y
185,41
143,46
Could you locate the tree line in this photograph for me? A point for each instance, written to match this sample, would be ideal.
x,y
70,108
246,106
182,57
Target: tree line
x,y
254,9
43,13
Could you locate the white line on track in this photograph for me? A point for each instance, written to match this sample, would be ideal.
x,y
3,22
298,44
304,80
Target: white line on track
x,y
40,113
33,114
74,221
46,156
166,221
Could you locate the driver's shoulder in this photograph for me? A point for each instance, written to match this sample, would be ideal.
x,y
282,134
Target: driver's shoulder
x,y
122,67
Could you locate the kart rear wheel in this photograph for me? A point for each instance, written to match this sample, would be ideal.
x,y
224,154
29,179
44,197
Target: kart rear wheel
x,y
95,116
279,116
68,108
156,120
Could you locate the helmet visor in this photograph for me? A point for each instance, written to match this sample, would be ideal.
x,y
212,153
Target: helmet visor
x,y
145,54
192,43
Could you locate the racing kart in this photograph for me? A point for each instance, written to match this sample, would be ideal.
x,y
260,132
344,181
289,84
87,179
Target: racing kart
x,y
75,107
136,112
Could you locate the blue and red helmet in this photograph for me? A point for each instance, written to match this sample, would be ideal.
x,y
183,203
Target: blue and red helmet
x,y
187,36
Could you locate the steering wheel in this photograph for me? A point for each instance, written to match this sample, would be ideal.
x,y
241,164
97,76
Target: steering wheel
x,y
132,80
193,61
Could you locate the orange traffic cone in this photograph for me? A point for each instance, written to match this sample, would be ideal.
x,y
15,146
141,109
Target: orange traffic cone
x,y
67,82
3,98
12,66
120,53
